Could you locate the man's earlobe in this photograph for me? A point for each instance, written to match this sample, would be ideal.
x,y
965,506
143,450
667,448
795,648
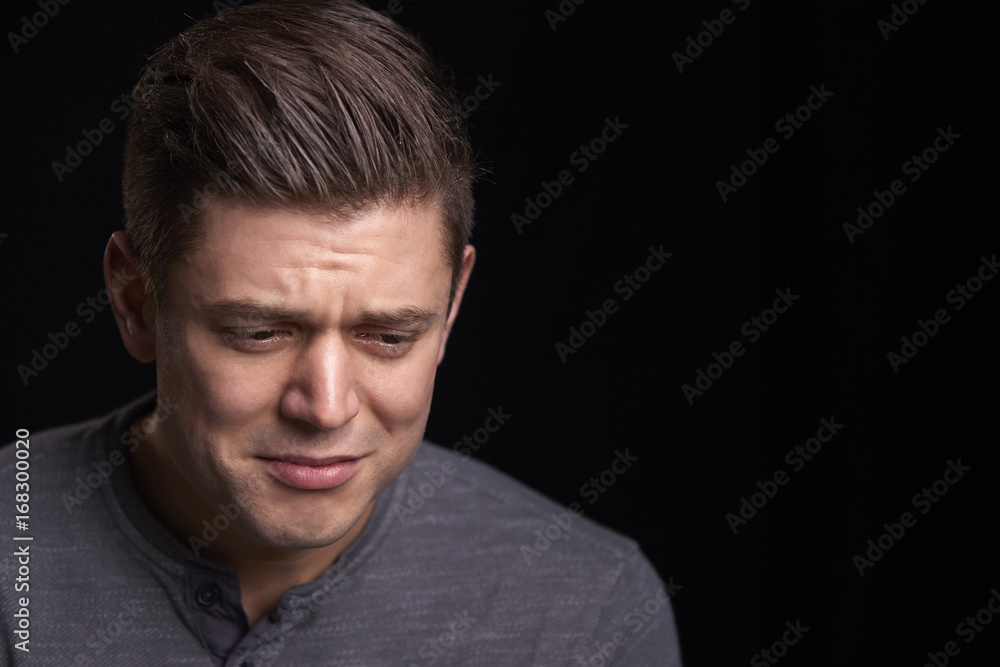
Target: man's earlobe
x,y
129,300
468,260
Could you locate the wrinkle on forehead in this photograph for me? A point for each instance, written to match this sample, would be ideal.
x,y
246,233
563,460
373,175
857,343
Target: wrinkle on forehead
x,y
274,255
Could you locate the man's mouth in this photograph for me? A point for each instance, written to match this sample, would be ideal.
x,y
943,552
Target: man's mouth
x,y
302,472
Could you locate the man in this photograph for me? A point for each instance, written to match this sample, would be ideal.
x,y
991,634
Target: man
x,y
297,191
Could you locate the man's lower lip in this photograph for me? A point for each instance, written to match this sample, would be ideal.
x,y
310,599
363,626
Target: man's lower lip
x,y
327,476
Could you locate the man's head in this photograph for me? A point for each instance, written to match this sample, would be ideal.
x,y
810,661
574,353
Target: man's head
x,y
314,105
297,189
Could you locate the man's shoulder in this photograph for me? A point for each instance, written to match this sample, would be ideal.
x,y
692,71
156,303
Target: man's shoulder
x,y
484,505
53,451
65,466
467,537
57,445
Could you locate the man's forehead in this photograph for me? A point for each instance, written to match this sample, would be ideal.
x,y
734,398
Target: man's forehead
x,y
251,258
233,217
234,233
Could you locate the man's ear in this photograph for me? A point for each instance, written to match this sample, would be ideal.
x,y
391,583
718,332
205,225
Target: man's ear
x,y
129,301
468,259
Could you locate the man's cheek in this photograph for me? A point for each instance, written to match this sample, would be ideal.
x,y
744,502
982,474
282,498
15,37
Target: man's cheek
x,y
231,385
399,409
403,398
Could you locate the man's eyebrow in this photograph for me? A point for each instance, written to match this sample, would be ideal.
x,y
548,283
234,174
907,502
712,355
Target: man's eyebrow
x,y
252,310
404,316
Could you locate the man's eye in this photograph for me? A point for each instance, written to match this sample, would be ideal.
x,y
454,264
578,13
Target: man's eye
x,y
389,338
253,339
387,343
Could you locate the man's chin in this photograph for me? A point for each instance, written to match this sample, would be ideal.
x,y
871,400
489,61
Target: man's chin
x,y
299,538
300,528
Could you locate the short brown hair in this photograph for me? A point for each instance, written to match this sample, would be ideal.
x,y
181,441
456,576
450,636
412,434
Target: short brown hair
x,y
324,106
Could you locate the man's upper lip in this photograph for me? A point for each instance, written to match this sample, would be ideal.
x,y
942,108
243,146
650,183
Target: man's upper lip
x,y
310,460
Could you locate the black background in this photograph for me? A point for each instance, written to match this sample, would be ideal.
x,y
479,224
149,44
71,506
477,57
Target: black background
x,y
655,184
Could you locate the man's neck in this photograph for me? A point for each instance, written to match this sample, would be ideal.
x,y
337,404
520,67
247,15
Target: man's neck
x,y
264,572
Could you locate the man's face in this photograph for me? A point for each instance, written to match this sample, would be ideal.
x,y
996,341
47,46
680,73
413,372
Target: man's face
x,y
302,353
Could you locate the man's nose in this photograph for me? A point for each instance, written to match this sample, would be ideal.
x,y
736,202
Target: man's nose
x,y
321,389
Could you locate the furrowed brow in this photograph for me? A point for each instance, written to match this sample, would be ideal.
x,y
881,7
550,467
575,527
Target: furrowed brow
x,y
252,310
404,316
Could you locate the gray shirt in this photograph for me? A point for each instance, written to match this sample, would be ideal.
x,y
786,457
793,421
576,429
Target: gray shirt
x,y
458,565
